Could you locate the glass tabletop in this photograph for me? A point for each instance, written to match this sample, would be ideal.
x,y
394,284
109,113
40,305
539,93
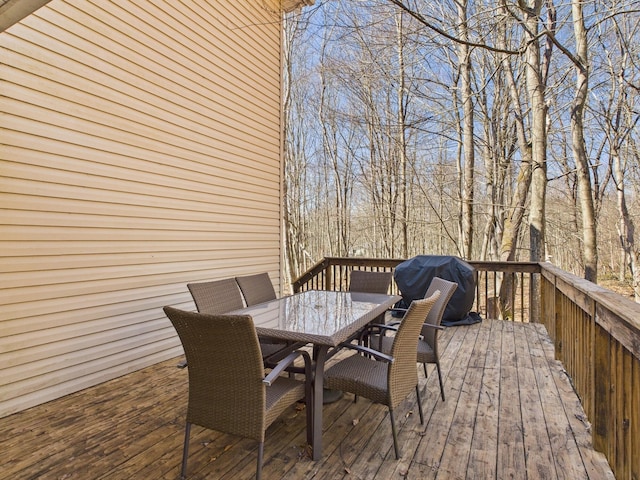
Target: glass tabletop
x,y
318,316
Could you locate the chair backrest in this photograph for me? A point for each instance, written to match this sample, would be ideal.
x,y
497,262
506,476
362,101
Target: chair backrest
x,y
226,392
402,373
256,288
370,282
446,289
218,296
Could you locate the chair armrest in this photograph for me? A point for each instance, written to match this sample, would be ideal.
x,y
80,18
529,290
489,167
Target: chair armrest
x,y
398,310
377,326
388,326
369,351
394,325
284,363
274,358
436,327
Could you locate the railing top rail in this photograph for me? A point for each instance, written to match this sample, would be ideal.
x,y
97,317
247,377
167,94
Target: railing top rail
x,y
345,262
365,261
527,267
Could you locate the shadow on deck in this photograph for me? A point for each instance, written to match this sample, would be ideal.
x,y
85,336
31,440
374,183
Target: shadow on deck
x,y
510,413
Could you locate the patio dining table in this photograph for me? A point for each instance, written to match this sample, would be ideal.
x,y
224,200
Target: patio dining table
x,y
321,318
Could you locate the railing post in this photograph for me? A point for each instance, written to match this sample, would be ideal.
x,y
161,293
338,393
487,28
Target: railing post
x,y
534,299
602,390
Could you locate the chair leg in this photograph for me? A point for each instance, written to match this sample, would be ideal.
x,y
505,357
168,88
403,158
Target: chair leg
x,y
440,378
260,455
185,451
395,434
424,366
419,405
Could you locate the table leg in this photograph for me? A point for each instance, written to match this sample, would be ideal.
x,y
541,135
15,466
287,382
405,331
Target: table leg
x,y
319,357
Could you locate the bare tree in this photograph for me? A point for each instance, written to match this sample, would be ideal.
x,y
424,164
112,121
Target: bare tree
x,y
401,93
404,92
581,63
618,120
295,173
468,184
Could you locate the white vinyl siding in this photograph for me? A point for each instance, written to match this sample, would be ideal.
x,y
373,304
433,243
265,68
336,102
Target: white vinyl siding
x,y
139,151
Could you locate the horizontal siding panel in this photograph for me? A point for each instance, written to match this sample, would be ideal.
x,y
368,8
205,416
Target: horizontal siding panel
x,y
158,170
153,139
140,152
103,315
236,53
142,358
194,54
182,219
152,65
184,115
26,213
73,352
231,36
114,250
89,193
42,233
173,117
121,307
69,282
33,299
77,131
105,221
30,262
147,138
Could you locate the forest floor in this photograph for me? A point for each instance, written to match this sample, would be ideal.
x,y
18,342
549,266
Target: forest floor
x,y
615,285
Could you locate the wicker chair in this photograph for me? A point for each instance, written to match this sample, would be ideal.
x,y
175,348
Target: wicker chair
x,y
216,297
256,288
228,389
370,282
385,379
222,296
428,342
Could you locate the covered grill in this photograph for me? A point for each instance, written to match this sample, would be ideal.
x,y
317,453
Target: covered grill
x,y
413,277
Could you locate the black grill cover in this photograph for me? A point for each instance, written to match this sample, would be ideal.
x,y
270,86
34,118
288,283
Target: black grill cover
x,y
413,277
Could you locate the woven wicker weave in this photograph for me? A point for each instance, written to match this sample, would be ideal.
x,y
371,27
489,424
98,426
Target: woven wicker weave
x,y
256,288
370,282
222,296
386,382
227,391
428,343
218,296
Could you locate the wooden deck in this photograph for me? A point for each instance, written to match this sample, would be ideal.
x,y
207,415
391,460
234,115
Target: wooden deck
x,y
510,412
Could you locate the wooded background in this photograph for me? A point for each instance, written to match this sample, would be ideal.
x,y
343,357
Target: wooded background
x,y
488,130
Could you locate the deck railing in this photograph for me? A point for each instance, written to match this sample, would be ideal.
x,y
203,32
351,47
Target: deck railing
x,y
492,299
596,333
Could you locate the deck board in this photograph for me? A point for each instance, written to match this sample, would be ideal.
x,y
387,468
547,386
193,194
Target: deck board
x,y
510,412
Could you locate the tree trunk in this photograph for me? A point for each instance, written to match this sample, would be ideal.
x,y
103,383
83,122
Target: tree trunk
x,y
402,141
536,91
579,148
464,57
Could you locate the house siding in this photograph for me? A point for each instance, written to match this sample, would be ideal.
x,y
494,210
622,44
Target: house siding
x,y
139,150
